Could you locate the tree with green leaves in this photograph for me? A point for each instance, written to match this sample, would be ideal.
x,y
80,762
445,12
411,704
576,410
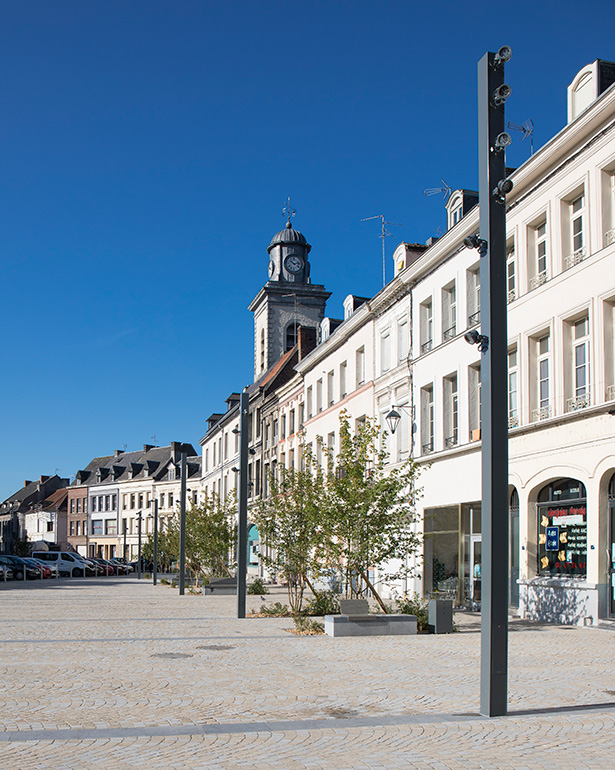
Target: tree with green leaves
x,y
210,538
352,515
290,526
369,510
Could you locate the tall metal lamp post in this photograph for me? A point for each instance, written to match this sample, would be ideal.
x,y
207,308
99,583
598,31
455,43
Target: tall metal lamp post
x,y
139,520
242,524
493,344
182,525
155,570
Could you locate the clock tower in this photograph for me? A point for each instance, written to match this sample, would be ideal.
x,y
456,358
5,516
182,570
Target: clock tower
x,y
288,300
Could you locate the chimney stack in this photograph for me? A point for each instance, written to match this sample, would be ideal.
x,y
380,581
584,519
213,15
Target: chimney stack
x,y
118,452
147,447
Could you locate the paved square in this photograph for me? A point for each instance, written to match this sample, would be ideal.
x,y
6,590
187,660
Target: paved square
x,y
117,674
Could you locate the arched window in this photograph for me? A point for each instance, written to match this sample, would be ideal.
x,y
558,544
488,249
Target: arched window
x,y
562,528
583,94
291,336
612,488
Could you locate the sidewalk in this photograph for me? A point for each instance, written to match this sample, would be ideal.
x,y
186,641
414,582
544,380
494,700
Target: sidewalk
x,y
116,674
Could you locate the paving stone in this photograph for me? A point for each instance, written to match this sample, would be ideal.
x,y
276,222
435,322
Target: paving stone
x,y
111,674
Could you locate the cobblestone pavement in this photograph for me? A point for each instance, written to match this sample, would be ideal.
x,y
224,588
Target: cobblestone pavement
x,y
116,673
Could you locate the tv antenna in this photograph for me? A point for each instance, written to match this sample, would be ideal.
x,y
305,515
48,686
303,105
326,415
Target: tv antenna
x,y
445,190
153,438
383,234
288,210
527,129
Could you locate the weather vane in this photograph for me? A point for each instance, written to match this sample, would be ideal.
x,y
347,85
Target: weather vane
x,y
288,210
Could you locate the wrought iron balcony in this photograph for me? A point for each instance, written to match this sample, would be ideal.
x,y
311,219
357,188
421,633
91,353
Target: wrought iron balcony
x,y
574,258
474,319
511,296
427,448
513,420
450,333
426,346
577,402
541,414
450,441
538,280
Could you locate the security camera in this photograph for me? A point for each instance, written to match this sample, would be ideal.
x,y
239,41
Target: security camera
x,y
502,140
501,94
503,55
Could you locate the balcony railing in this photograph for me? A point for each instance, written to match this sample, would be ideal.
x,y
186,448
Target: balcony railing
x,y
513,420
538,280
450,441
575,258
610,393
474,319
577,402
609,237
541,414
426,346
511,296
427,448
450,333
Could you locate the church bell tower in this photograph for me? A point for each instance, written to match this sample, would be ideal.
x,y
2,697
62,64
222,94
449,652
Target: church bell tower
x,y
288,299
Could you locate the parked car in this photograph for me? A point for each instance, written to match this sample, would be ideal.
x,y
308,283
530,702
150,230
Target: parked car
x,y
40,566
105,567
92,568
121,567
6,573
20,567
51,566
68,564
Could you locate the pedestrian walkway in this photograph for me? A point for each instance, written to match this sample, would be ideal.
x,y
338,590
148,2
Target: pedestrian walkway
x,y
115,674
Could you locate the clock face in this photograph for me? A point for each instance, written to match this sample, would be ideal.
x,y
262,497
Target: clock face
x,y
271,269
293,263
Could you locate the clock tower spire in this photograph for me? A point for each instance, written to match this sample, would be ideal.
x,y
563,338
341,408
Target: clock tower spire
x,y
288,300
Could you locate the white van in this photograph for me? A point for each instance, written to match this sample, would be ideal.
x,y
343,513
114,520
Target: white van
x,y
68,564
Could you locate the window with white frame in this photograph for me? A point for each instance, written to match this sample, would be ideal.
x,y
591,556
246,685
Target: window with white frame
x,y
343,372
542,378
609,348
449,312
513,388
580,362
608,206
319,406
451,411
511,272
537,252
427,420
403,340
385,351
283,426
426,325
474,401
360,366
309,400
330,388
574,239
473,295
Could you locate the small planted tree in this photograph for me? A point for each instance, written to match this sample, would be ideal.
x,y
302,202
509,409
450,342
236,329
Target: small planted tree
x,y
290,526
370,510
210,537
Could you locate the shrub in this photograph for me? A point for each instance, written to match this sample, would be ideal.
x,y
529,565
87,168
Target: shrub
x,y
414,605
307,627
325,603
258,587
275,610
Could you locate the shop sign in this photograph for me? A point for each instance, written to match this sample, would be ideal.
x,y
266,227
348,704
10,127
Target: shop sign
x,y
552,539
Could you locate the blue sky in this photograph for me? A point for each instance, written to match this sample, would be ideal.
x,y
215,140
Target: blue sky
x,y
147,150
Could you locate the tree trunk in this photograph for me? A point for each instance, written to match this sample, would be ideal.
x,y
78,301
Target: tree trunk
x,y
375,593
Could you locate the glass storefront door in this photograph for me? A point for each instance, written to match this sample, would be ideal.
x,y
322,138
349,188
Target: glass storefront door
x,y
475,568
611,559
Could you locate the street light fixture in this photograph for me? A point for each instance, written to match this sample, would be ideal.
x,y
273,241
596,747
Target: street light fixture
x,y
393,418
